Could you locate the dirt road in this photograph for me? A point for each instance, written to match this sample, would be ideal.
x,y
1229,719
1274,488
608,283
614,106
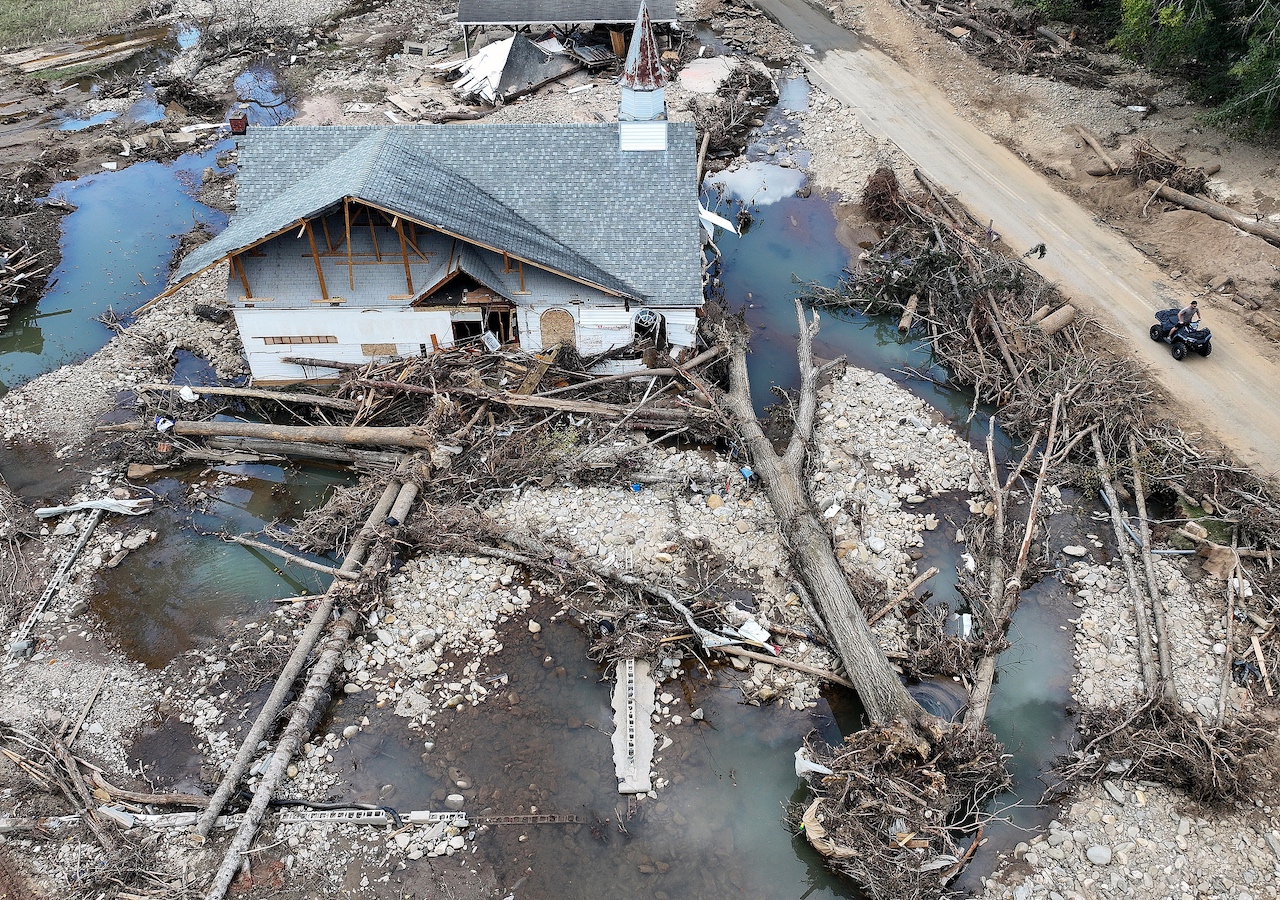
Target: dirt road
x,y
1234,394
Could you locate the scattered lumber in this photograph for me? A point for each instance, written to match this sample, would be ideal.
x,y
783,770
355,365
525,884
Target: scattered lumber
x,y
1217,211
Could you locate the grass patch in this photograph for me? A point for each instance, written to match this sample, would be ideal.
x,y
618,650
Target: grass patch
x,y
26,22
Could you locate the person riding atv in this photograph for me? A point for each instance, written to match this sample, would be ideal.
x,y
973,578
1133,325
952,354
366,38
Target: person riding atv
x,y
1178,329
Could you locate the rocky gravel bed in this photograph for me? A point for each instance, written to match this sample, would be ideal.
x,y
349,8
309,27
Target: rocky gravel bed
x,y
1134,838
62,407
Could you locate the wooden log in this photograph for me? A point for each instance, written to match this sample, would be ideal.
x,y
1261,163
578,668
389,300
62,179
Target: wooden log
x,y
293,667
1061,42
908,314
292,558
1102,171
806,538
196,800
260,394
1164,652
935,191
290,740
361,436
1217,211
998,333
1057,320
1093,142
789,664
1039,314
311,362
902,595
974,25
1146,656
325,452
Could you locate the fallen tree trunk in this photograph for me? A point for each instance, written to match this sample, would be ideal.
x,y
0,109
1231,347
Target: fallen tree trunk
x,y
1097,148
360,436
310,362
293,667
809,545
260,394
1061,42
326,452
908,314
1217,211
316,692
1057,320
1163,648
1150,678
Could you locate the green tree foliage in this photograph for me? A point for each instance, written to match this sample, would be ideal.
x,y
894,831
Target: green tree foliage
x,y
1255,100
1228,50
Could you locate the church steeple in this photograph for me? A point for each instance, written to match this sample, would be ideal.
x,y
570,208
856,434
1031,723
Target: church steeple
x,y
642,109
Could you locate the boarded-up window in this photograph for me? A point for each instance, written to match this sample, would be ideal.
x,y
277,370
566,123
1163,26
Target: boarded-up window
x,y
302,339
378,349
557,329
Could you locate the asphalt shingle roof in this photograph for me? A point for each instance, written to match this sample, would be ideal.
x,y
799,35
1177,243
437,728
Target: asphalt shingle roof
x,y
560,12
564,197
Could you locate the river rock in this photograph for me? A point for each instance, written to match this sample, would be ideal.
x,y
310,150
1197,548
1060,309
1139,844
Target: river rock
x,y
715,501
534,627
1075,550
455,802
1099,855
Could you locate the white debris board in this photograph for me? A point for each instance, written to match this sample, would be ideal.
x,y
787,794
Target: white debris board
x,y
633,729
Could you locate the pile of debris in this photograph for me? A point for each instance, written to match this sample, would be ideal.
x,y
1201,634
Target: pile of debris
x,y
21,278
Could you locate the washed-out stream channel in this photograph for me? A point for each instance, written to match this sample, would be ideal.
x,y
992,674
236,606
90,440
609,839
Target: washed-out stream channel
x,y
543,739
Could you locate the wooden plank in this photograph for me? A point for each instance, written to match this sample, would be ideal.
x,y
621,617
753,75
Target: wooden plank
x,y
311,239
404,252
536,373
346,215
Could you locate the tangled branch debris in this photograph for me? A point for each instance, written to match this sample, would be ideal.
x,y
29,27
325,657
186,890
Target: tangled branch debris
x,y
1156,741
880,814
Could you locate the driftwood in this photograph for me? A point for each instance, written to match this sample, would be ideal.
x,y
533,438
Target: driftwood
x,y
310,362
1093,142
902,595
291,557
362,436
335,453
1102,171
316,692
908,314
1150,674
1163,647
293,667
809,545
260,394
1061,42
1217,211
788,664
1057,320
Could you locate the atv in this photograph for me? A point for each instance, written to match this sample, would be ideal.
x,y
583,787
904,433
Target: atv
x,y
1188,338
